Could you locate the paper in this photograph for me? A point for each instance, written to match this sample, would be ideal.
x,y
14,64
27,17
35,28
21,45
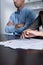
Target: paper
x,y
24,44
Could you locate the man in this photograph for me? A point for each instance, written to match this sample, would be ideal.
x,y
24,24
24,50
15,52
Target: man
x,y
33,28
21,19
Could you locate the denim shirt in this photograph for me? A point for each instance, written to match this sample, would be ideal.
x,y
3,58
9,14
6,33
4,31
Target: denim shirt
x,y
25,16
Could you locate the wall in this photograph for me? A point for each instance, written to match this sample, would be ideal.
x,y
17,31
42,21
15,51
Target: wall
x,y
7,7
0,16
35,5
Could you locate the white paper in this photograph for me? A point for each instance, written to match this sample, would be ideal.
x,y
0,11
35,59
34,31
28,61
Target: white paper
x,y
24,44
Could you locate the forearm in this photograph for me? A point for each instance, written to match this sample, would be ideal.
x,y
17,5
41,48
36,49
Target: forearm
x,y
40,33
9,29
36,33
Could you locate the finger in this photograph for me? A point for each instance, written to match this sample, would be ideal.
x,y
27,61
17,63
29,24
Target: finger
x,y
26,36
22,36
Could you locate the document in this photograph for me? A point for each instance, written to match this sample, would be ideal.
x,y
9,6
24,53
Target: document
x,y
24,44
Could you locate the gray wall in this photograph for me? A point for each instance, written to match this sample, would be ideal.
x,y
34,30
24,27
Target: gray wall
x,y
36,6
7,8
0,16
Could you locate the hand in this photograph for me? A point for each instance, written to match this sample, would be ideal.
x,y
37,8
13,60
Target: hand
x,y
32,33
36,33
9,23
27,33
24,34
19,25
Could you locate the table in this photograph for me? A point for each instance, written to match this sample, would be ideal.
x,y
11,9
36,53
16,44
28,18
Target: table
x,y
20,56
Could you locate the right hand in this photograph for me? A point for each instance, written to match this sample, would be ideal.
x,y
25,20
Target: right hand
x,y
28,33
33,32
9,23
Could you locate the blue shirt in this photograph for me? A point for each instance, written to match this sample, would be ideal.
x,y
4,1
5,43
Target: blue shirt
x,y
25,16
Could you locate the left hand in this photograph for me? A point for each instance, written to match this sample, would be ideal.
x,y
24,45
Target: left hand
x,y
19,25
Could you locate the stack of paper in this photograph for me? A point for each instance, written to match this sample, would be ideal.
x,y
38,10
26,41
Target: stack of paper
x,y
24,44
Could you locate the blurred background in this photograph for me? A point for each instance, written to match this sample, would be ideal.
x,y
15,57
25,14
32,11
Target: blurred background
x,y
7,8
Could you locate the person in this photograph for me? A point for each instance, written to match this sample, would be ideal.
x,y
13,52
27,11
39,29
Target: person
x,y
20,19
33,31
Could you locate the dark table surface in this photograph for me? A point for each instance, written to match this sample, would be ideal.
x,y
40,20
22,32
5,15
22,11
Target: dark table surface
x,y
9,56
19,56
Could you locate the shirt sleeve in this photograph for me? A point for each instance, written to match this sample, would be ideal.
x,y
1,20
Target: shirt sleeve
x,y
29,19
9,29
